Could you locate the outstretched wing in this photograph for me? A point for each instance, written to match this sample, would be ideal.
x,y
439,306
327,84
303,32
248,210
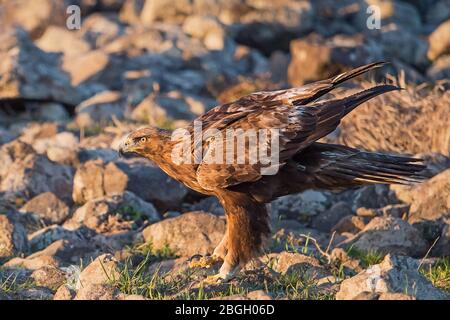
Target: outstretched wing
x,y
295,126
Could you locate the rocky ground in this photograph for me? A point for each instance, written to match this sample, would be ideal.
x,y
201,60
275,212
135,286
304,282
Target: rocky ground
x,y
78,222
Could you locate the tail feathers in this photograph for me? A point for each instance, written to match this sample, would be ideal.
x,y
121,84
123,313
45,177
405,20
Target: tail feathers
x,y
320,88
341,166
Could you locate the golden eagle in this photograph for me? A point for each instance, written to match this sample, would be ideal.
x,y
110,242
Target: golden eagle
x,y
302,163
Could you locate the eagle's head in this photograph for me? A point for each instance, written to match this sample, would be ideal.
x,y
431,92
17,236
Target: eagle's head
x,y
140,142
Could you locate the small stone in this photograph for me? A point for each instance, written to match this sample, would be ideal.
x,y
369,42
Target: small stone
x,y
189,234
47,207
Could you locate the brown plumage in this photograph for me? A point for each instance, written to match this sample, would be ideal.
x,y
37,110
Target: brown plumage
x,y
303,163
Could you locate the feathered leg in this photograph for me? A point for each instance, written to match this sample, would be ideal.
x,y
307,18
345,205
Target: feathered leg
x,y
247,228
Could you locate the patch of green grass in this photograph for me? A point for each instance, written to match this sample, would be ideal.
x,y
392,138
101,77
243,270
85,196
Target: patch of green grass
x,y
438,273
11,282
153,254
298,286
367,258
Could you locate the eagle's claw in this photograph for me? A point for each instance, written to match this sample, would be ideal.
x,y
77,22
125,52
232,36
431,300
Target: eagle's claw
x,y
204,261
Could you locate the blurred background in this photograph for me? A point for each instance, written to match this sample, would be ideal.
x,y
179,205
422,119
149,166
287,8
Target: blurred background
x,y
165,62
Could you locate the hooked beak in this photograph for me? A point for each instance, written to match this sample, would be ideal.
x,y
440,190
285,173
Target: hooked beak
x,y
124,149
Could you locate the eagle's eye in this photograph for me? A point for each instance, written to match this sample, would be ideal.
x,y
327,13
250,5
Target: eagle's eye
x,y
143,139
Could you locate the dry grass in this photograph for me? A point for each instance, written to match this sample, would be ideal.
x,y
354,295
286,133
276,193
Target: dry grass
x,y
415,120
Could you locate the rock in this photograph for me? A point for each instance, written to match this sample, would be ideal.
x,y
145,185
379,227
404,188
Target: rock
x,y
64,293
326,220
36,293
372,196
42,238
351,224
392,210
92,71
49,277
101,28
173,109
395,296
189,234
152,184
133,297
294,263
404,45
114,213
442,247
129,13
390,235
13,237
438,12
100,108
365,295
36,174
440,69
33,263
95,179
4,296
209,204
398,12
307,203
50,111
96,292
12,152
252,295
58,39
34,17
439,41
395,274
101,271
314,58
206,28
30,73
47,207
266,23
60,253
61,148
430,204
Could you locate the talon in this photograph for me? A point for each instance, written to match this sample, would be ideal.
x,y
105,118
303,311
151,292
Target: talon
x,y
204,261
214,279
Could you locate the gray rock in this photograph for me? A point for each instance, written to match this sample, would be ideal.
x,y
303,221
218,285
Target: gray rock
x,y
189,234
326,220
404,45
398,12
100,109
430,204
395,274
307,203
31,73
152,184
390,235
440,69
13,237
96,292
116,212
294,263
439,41
47,207
100,271
49,277
314,58
438,12
59,39
36,174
